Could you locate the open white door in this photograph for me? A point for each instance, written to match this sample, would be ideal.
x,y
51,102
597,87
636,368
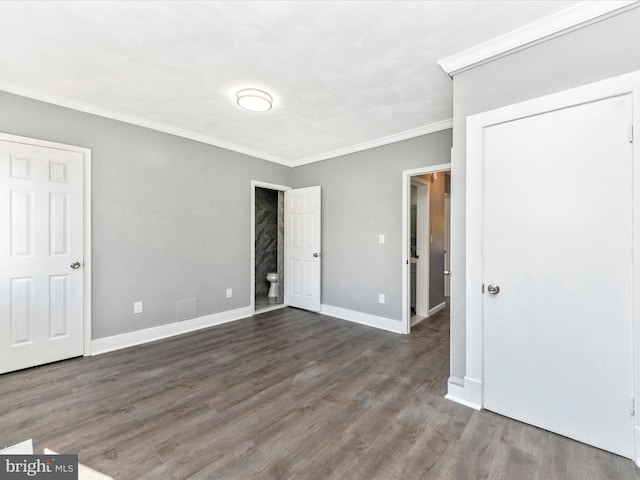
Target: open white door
x,y
302,248
41,255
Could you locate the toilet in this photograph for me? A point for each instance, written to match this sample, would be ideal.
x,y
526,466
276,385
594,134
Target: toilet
x,y
273,278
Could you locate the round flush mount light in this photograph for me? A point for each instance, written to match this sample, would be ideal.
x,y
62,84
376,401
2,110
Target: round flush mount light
x,y
254,100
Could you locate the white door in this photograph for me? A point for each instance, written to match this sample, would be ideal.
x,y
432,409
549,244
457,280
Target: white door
x,y
41,285
557,243
447,245
302,248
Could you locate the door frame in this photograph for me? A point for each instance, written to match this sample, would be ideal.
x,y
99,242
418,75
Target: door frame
x,y
86,269
624,84
406,241
447,243
252,258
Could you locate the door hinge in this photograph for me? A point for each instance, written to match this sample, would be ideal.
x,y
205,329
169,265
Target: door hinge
x,y
633,406
631,133
483,288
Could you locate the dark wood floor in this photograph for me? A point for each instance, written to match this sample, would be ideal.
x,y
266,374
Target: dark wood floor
x,y
283,395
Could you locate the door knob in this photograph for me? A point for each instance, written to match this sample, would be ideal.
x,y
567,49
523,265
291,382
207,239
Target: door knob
x,y
316,254
493,289
447,272
75,265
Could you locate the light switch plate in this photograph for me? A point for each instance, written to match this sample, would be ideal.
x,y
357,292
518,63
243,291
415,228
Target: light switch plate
x,y
229,292
381,298
137,307
381,238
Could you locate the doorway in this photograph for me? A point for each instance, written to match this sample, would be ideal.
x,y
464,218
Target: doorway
x,y
293,241
423,243
45,294
267,245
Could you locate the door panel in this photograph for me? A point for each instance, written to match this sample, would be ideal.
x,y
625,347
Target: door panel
x,y
302,248
41,296
557,241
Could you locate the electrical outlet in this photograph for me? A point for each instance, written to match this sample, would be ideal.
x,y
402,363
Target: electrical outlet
x,y
229,292
381,238
137,307
381,298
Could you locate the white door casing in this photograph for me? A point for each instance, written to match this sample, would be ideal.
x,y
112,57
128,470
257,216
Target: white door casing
x,y
587,278
406,235
423,246
42,304
447,244
302,248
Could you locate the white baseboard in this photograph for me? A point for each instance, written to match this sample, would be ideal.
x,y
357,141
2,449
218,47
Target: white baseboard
x,y
383,323
437,308
138,337
473,392
637,444
457,392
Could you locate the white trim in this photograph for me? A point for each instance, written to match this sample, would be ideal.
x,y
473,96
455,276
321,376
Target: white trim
x,y
139,337
198,137
620,85
383,323
252,255
423,246
378,142
135,120
456,392
636,435
406,270
562,22
437,308
86,153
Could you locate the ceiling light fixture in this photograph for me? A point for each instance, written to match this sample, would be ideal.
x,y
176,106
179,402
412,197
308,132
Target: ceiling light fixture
x,y
254,100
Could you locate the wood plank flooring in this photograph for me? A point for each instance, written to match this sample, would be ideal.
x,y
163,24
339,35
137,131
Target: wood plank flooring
x,y
283,395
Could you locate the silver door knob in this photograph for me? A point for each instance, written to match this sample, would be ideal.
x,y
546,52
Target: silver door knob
x,y
316,254
75,265
447,272
493,289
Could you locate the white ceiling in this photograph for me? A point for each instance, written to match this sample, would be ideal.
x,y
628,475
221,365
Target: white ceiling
x,y
341,73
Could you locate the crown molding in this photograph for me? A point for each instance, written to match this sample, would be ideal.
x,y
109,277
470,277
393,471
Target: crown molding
x,y
179,132
378,142
559,23
141,122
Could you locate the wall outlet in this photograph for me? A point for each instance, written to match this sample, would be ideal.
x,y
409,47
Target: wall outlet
x,y
381,238
137,307
381,298
229,292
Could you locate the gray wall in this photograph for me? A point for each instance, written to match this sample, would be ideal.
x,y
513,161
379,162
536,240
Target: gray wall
x,y
605,49
266,238
171,217
361,198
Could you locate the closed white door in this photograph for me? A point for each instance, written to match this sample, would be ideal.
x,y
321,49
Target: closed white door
x,y
302,248
557,244
41,255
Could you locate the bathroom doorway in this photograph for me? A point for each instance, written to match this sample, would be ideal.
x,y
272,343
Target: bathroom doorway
x,y
425,248
267,243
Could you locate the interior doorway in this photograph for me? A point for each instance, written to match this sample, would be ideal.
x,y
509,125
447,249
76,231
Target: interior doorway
x,y
424,243
267,246
292,275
